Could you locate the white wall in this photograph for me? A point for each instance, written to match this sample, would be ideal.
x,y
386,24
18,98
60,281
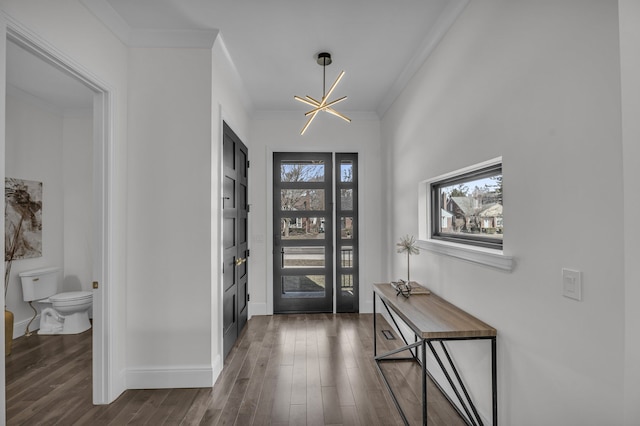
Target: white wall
x,y
281,133
71,31
77,170
169,279
176,100
630,64
537,83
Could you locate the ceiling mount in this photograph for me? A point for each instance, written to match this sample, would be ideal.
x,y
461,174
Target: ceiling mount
x,y
323,59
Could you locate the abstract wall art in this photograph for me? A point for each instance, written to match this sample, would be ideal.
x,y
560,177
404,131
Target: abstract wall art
x,y
23,219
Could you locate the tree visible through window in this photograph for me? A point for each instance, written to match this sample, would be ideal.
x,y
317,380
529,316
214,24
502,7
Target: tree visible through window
x,y
303,198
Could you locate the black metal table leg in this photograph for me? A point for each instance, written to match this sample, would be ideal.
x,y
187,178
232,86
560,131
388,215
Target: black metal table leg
x,y
375,341
424,382
494,380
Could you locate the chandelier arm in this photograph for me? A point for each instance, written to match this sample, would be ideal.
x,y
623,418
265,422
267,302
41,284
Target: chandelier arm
x,y
324,107
328,109
337,114
325,97
304,129
312,103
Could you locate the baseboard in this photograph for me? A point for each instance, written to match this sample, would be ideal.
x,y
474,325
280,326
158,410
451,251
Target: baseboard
x,y
119,386
366,307
261,308
173,377
20,327
217,368
257,309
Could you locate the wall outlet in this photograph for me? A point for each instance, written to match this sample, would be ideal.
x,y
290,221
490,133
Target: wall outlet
x,y
572,284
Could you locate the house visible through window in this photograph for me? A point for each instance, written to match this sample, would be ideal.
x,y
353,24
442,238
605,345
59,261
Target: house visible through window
x,y
467,208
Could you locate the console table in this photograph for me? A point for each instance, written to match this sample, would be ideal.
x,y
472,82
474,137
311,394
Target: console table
x,y
433,319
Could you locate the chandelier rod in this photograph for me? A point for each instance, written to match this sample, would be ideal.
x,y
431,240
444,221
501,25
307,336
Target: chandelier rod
x,y
324,77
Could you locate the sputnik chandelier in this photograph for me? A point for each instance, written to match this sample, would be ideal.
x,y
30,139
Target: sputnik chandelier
x,y
324,59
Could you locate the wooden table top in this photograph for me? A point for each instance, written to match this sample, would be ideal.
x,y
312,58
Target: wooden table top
x,y
432,317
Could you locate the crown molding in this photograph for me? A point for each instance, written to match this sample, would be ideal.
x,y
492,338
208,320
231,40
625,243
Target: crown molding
x,y
453,9
103,11
233,74
173,38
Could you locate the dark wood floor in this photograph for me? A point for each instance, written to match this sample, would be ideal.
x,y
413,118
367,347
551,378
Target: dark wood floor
x,y
284,370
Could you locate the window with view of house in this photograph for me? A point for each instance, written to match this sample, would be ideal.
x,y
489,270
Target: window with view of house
x,y
467,207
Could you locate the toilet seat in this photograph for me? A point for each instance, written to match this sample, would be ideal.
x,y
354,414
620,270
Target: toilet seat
x,y
71,300
71,296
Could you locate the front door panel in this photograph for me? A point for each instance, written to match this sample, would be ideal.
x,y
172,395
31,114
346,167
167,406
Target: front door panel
x,y
303,232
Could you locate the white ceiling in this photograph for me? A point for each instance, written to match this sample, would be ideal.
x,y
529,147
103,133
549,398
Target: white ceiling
x,y
272,44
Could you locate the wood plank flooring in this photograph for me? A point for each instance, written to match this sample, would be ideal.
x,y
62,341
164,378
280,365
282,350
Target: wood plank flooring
x,y
314,369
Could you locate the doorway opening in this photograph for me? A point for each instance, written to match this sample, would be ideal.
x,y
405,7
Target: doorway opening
x,y
315,263
94,140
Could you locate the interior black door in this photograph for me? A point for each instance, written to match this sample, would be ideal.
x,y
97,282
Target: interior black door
x,y
235,239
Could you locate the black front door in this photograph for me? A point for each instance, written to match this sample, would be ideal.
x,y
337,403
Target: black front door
x,y
303,232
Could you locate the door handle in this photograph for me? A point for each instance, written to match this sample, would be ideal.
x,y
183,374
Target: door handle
x,y
240,261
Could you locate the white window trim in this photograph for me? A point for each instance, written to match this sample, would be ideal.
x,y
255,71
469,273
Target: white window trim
x,y
481,255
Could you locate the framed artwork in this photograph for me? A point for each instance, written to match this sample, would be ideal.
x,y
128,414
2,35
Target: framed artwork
x,y
23,219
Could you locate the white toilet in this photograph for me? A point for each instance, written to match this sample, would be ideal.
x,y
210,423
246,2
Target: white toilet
x,y
69,313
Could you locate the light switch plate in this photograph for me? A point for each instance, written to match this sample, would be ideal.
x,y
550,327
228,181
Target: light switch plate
x,y
572,284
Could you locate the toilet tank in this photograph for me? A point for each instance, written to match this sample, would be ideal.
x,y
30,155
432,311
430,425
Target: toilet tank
x,y
39,284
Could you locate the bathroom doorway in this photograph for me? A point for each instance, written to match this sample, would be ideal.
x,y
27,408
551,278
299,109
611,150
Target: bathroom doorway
x,y
57,132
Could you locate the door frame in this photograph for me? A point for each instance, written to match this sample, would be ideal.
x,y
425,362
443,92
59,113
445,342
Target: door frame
x,y
107,382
